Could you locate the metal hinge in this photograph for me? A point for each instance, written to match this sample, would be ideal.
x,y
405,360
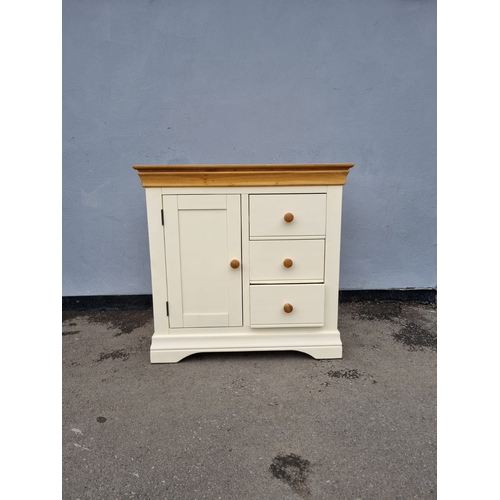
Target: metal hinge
x,y
162,220
167,308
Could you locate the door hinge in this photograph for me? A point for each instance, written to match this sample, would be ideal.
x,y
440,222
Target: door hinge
x,y
162,220
167,308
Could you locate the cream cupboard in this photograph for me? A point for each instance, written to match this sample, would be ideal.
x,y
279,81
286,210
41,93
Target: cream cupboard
x,y
244,257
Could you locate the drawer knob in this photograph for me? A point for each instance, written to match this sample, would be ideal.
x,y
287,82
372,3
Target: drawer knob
x,y
288,262
288,308
288,217
235,264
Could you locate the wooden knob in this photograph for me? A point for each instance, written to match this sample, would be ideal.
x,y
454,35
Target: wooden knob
x,y
235,264
288,262
288,217
288,308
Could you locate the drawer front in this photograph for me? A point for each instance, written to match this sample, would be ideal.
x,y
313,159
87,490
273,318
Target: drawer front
x,y
269,302
287,260
306,214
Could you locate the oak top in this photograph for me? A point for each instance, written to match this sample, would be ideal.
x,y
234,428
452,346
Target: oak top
x,y
272,174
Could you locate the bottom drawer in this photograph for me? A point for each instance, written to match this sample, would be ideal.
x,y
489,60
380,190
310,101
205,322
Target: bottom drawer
x,y
275,306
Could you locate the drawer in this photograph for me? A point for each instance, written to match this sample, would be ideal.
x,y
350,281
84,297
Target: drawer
x,y
306,214
287,260
268,304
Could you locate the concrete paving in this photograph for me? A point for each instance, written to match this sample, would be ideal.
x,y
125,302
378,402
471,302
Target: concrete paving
x,y
277,425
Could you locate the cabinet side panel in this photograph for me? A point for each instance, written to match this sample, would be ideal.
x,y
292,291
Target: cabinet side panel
x,y
332,255
157,258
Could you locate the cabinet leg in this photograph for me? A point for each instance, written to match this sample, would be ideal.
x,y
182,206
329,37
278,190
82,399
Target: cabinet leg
x,y
323,352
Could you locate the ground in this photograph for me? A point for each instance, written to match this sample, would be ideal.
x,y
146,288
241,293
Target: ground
x,y
278,425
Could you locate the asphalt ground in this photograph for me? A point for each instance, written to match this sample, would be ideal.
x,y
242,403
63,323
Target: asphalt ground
x,y
272,425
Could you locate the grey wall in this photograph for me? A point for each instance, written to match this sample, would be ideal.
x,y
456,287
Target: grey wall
x,y
230,81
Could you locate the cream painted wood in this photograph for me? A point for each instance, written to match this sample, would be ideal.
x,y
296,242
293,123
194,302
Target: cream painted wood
x,y
171,349
171,342
332,254
157,259
267,261
245,259
203,235
234,284
267,305
267,214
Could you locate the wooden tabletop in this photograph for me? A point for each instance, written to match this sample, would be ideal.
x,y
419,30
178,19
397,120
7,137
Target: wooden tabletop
x,y
272,174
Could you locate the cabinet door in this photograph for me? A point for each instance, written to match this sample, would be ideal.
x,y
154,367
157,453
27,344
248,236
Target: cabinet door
x,y
202,237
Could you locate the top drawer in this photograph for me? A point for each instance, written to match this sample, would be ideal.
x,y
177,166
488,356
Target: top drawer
x,y
281,215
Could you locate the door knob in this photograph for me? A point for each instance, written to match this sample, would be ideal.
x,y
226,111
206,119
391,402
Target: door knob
x,y
288,217
288,308
235,264
288,262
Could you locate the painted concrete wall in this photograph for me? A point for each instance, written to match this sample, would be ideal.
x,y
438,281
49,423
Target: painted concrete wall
x,y
234,81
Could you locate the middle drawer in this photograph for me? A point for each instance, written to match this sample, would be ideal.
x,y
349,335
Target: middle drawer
x,y
287,261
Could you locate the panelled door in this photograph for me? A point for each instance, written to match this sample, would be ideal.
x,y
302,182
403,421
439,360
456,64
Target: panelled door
x,y
203,253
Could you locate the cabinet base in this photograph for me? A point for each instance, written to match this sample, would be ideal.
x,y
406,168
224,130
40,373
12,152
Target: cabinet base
x,y
174,356
167,348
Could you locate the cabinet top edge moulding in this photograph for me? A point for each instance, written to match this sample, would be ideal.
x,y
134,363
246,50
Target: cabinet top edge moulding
x,y
272,174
